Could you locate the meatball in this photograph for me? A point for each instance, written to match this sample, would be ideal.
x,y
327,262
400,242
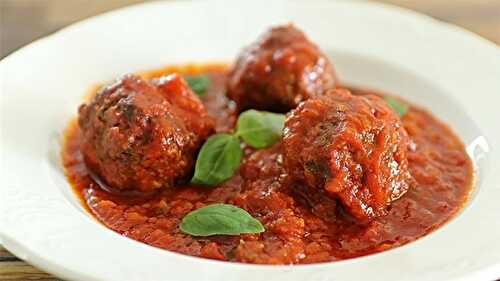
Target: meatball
x,y
279,71
142,136
350,148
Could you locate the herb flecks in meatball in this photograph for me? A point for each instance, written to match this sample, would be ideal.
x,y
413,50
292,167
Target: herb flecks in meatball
x,y
278,71
142,136
351,148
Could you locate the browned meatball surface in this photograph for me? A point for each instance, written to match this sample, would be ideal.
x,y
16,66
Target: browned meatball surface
x,y
278,71
139,136
351,148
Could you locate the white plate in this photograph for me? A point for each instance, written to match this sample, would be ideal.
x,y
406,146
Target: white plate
x,y
450,71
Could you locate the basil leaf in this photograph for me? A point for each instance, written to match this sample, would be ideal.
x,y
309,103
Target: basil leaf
x,y
398,106
220,219
219,157
198,83
260,129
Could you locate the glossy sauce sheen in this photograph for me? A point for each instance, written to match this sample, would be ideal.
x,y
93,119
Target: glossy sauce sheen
x,y
295,232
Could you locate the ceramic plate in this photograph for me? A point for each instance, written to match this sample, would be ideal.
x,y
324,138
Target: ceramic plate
x,y
452,72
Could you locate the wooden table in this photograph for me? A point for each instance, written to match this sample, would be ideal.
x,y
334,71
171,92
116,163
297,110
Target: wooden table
x,y
12,268
22,21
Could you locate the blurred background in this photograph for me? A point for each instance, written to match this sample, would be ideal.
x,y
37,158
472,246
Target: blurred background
x,y
22,21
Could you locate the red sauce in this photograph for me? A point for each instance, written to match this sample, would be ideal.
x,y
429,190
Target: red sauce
x,y
295,233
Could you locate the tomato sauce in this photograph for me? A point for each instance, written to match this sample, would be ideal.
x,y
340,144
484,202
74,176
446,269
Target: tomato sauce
x,y
296,233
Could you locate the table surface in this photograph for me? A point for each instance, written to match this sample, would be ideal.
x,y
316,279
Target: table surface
x,y
22,21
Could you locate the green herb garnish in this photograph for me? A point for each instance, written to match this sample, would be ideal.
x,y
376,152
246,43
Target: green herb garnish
x,y
198,83
220,219
396,105
260,129
217,161
220,155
